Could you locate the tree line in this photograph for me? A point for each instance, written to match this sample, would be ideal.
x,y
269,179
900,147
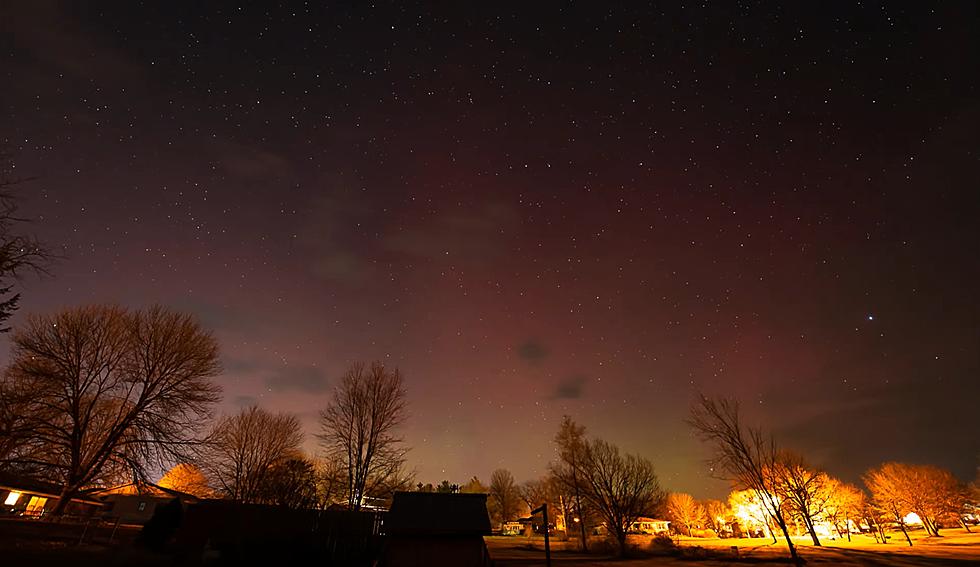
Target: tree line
x,y
100,394
591,482
777,486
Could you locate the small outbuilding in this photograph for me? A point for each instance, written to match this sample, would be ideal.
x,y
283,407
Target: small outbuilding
x,y
135,502
436,529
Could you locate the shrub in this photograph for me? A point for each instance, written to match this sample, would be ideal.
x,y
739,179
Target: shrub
x,y
662,545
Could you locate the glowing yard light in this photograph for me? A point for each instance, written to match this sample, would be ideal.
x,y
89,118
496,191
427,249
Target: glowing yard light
x,y
912,518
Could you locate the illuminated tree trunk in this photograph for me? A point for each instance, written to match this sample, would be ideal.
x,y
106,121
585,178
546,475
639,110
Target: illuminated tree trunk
x,y
770,531
881,531
901,524
808,522
789,540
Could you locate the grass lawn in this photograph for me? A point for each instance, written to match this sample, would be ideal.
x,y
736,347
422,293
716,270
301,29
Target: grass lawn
x,y
955,548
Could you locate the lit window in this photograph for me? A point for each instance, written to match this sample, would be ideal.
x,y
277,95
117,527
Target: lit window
x,y
36,506
12,498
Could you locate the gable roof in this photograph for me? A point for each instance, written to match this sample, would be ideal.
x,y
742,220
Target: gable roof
x,y
144,489
434,513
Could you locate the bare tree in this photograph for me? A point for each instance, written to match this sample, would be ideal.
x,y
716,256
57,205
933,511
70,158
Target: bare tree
x,y
547,490
359,429
845,505
684,510
187,478
932,493
242,450
504,496
290,483
804,489
331,480
570,440
20,448
112,388
620,488
749,512
536,492
19,252
716,514
889,494
743,455
474,486
876,518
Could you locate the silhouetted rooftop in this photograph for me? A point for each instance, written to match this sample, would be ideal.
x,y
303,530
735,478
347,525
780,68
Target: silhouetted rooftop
x,y
435,513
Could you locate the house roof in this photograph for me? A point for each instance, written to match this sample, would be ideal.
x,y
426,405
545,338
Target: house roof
x,y
144,489
434,513
31,485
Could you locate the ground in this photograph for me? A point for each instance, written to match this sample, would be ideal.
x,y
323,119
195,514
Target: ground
x,y
955,548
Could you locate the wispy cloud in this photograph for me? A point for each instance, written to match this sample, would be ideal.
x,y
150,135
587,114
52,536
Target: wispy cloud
x,y
306,379
570,388
532,351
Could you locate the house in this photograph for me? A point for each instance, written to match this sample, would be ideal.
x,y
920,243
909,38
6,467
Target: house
x,y
652,526
25,496
514,528
135,502
437,529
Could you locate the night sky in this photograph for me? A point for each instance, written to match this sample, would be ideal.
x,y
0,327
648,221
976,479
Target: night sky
x,y
531,210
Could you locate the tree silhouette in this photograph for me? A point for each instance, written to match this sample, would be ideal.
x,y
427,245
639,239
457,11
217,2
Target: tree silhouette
x,y
743,455
571,446
19,252
243,450
684,510
504,496
111,388
620,488
359,430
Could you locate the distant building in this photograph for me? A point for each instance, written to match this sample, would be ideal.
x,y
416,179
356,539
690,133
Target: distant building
x,y
135,502
514,528
433,529
652,526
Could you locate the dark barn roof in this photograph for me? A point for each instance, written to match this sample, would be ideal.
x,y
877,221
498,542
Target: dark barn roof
x,y
434,513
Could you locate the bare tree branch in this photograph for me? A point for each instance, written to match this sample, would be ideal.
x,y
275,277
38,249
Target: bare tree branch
x,y
743,455
359,429
105,389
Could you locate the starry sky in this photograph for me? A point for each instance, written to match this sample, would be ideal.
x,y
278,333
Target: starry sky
x,y
531,210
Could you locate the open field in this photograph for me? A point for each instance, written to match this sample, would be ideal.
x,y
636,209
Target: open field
x,y
955,548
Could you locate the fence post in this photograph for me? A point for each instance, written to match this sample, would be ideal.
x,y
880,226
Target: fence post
x,y
84,531
114,528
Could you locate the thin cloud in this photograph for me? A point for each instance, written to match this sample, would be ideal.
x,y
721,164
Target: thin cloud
x,y
532,351
570,388
306,379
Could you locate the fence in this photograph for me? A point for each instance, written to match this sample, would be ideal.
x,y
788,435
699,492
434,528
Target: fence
x,y
238,531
